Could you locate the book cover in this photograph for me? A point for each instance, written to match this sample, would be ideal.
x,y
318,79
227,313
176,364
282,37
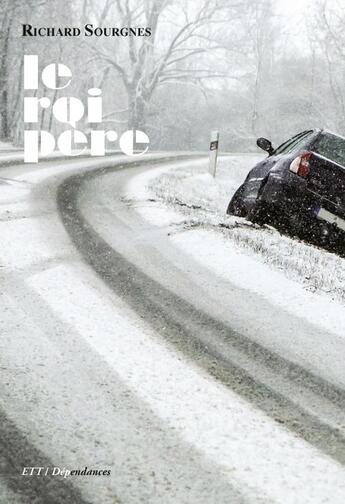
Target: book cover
x,y
172,218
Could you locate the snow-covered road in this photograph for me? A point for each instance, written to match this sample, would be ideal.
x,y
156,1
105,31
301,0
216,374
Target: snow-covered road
x,y
122,349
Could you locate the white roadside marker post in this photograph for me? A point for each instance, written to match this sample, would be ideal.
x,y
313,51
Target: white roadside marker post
x,y
214,152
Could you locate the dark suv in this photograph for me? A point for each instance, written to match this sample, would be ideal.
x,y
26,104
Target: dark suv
x,y
300,185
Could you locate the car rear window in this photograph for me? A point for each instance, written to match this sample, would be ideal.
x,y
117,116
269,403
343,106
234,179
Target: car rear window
x,y
331,147
290,144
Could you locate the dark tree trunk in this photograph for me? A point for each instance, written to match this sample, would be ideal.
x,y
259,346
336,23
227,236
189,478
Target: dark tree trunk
x,y
137,111
5,123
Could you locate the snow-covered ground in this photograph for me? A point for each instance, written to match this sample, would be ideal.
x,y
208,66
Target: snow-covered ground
x,y
90,382
196,202
7,146
196,417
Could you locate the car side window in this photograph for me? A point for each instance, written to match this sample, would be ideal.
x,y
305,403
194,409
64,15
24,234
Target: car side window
x,y
332,147
284,146
292,143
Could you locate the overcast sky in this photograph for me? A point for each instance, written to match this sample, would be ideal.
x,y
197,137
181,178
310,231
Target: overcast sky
x,y
292,15
293,8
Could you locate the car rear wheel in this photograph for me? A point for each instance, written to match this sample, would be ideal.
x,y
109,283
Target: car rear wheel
x,y
236,205
261,213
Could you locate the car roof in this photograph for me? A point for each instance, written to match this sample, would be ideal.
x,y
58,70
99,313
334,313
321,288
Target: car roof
x,y
324,130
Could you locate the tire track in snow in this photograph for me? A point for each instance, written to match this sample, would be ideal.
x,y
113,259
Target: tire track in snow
x,y
16,452
194,331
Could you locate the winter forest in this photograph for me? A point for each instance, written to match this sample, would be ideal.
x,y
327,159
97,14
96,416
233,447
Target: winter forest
x,y
245,67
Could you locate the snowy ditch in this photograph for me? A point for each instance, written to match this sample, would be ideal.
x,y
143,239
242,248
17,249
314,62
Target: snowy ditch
x,y
194,203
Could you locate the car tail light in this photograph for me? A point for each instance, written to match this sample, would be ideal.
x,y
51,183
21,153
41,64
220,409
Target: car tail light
x,y
300,165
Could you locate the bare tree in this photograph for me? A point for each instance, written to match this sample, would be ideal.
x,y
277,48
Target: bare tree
x,y
326,33
5,27
180,34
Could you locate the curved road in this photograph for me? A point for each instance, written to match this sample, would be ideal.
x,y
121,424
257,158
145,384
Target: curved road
x,y
119,352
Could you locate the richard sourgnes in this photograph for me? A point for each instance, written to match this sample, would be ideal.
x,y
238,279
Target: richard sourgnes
x,y
89,30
